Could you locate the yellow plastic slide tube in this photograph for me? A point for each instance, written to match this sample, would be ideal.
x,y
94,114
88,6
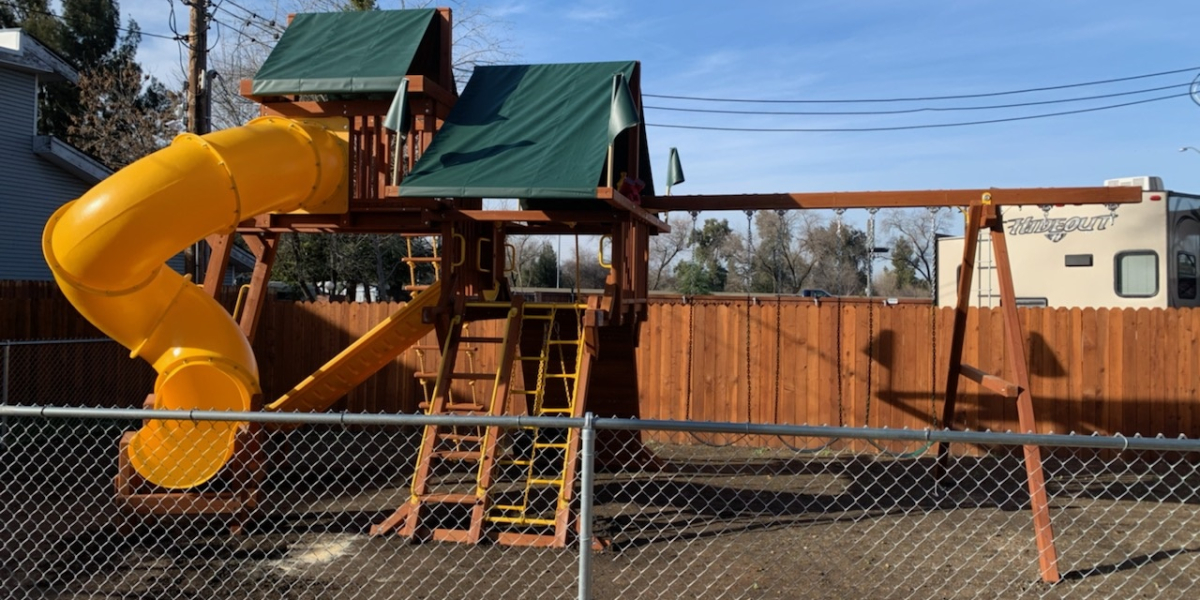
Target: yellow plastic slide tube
x,y
108,248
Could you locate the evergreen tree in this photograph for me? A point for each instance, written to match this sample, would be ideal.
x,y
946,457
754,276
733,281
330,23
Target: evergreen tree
x,y
8,17
902,263
708,269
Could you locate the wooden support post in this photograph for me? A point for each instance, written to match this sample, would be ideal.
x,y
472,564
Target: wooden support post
x,y
1015,347
218,261
264,247
970,246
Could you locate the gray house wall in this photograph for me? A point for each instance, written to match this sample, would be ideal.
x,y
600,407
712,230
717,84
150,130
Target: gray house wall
x,y
31,188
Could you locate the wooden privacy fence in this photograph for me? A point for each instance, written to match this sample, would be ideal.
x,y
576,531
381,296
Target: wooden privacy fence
x,y
791,360
785,360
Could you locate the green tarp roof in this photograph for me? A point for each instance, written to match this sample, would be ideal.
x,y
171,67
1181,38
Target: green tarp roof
x,y
347,52
525,131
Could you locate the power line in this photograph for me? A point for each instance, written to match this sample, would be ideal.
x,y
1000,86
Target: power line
x,y
910,127
913,110
926,98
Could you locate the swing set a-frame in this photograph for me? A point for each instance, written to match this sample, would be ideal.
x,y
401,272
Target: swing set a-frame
x,y
351,167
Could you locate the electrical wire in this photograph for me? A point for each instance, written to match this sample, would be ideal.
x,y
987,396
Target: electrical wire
x,y
927,98
917,110
912,127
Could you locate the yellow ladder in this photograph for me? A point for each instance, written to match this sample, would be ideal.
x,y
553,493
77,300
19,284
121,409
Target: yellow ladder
x,y
413,261
541,510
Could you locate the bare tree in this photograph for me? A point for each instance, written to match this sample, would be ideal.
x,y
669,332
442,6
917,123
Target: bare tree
x,y
919,227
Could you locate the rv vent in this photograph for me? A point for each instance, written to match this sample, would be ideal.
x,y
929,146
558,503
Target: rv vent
x,y
1148,183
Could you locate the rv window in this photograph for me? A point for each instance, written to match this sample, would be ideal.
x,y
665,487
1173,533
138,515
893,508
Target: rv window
x,y
1032,303
1136,274
1079,260
1185,275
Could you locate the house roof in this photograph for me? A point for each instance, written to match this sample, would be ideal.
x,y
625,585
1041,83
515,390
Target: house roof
x,y
344,52
70,159
525,131
22,52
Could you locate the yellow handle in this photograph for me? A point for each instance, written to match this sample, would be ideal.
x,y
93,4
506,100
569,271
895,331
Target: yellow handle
x,y
600,254
479,255
241,302
510,258
462,251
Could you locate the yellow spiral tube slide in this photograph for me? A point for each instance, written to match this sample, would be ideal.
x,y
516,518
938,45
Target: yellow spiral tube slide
x,y
108,251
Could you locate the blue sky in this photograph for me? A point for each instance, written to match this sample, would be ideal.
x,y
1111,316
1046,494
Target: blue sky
x,y
823,49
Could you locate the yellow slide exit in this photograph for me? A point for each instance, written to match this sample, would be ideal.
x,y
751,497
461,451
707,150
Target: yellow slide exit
x,y
108,251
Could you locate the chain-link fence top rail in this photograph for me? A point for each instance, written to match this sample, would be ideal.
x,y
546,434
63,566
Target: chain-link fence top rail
x,y
729,511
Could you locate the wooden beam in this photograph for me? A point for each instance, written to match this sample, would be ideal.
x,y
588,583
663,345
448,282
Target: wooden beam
x,y
264,247
958,333
220,246
535,216
618,200
898,199
419,84
1018,358
991,382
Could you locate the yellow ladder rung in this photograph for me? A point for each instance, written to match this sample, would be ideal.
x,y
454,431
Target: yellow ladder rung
x,y
555,445
563,342
520,520
557,482
561,375
526,392
557,411
519,507
519,463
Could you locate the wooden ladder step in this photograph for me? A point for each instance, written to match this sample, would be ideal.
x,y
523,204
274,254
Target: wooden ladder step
x,y
459,455
456,407
481,340
450,499
460,437
462,376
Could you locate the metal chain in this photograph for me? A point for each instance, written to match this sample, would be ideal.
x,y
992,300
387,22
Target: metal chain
x,y
870,358
841,409
749,300
691,351
933,326
870,311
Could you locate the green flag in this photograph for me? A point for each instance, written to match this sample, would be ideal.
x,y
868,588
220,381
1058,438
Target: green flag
x,y
397,115
674,170
624,112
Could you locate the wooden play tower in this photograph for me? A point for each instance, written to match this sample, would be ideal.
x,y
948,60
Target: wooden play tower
x,y
579,166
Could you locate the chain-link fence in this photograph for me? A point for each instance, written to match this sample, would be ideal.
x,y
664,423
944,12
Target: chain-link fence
x,y
369,506
63,373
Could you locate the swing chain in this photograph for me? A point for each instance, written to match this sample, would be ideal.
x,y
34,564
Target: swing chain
x,y
933,323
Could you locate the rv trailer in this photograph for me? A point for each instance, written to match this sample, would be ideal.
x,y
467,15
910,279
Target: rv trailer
x,y
1132,255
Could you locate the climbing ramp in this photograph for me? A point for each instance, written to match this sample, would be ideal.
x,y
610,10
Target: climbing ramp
x,y
363,358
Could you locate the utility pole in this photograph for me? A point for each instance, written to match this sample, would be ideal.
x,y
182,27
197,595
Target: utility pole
x,y
197,108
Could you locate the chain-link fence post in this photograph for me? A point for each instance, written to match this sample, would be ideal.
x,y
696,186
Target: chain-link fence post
x,y
587,458
4,392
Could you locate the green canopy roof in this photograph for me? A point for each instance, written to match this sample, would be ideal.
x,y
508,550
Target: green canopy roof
x,y
345,52
524,131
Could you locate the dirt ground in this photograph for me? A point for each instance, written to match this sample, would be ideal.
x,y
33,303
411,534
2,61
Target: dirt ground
x,y
713,523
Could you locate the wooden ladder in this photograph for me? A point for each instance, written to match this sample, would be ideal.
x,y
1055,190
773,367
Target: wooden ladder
x,y
455,468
